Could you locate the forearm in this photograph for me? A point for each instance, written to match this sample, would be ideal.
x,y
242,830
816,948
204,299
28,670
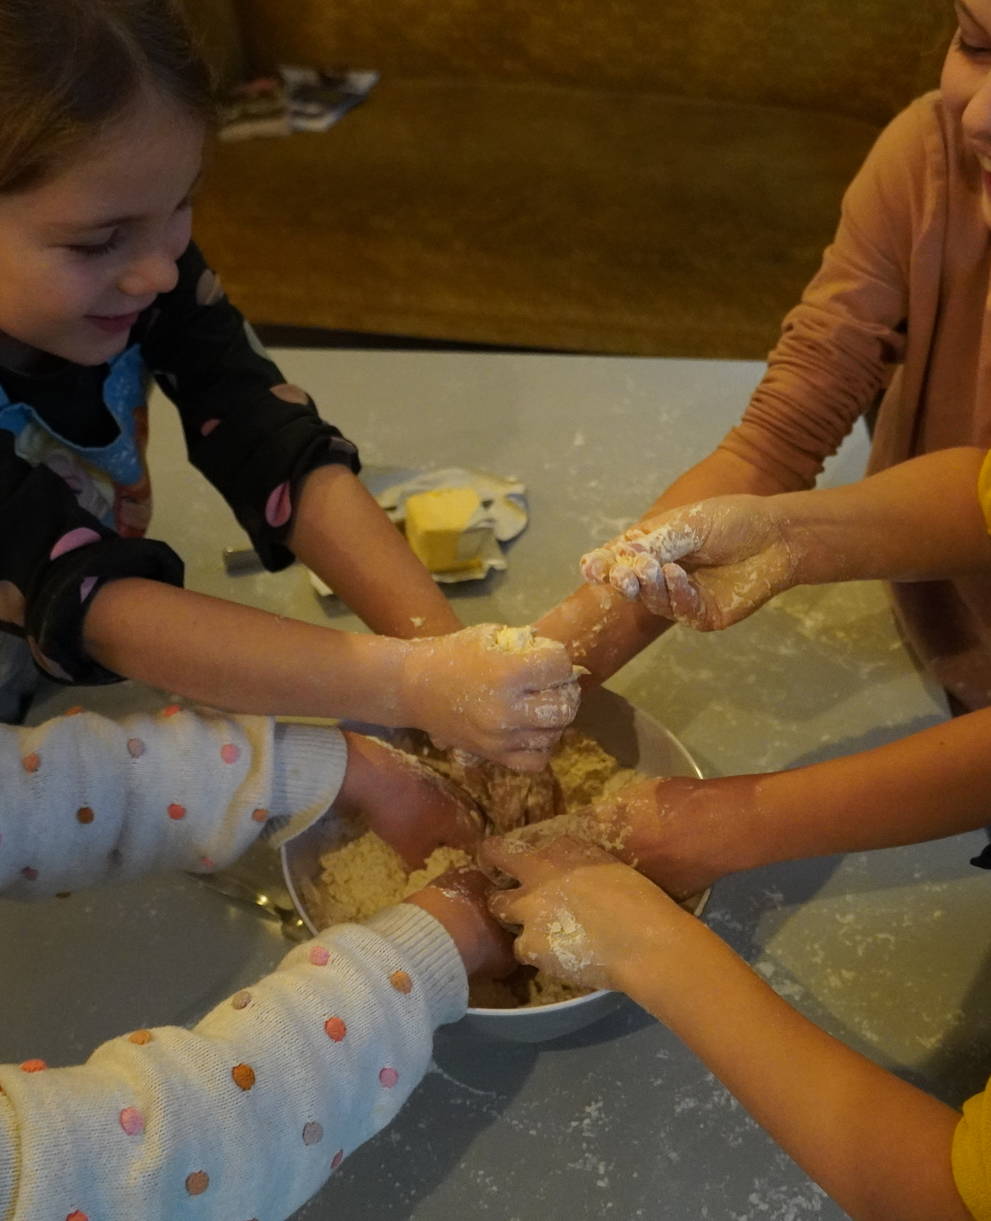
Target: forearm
x,y
603,630
600,629
879,1146
919,520
342,534
926,786
236,657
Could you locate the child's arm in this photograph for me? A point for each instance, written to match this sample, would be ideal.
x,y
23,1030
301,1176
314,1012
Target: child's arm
x,y
685,833
601,628
340,532
712,564
88,800
248,1113
879,1146
288,475
464,689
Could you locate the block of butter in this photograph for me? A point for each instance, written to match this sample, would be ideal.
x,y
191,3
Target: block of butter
x,y
444,529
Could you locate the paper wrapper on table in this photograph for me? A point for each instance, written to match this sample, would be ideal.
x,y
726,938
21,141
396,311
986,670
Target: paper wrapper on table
x,y
501,516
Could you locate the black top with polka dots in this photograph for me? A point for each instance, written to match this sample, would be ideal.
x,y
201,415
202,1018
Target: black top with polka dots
x,y
75,495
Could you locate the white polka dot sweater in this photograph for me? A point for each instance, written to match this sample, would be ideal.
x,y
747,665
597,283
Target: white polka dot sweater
x,y
245,1115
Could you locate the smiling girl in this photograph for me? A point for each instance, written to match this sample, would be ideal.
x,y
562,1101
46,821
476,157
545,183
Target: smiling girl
x,y
104,109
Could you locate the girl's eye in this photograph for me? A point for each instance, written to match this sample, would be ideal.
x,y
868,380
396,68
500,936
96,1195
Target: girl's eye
x,y
111,243
969,48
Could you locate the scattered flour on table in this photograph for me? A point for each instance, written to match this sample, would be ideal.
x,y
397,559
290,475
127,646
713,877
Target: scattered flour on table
x,y
361,874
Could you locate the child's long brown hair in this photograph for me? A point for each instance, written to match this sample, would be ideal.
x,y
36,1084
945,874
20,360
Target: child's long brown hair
x,y
68,68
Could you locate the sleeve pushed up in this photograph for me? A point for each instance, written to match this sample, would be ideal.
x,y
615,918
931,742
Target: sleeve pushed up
x,y
54,556
840,344
252,434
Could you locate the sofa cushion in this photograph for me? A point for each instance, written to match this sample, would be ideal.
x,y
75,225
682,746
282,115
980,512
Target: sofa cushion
x,y
535,215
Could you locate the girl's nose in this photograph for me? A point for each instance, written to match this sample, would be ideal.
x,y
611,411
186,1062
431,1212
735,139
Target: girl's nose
x,y
152,274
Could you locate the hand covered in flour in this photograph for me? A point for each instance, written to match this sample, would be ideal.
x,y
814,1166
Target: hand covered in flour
x,y
682,833
584,916
498,692
458,899
707,565
404,802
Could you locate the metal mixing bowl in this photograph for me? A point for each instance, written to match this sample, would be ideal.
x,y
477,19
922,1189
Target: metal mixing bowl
x,y
637,741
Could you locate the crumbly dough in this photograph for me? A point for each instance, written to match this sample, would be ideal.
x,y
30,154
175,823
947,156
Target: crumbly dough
x,y
361,874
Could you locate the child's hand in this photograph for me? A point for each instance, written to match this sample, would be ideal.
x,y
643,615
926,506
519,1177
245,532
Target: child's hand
x,y
459,900
734,553
682,833
585,917
498,692
404,802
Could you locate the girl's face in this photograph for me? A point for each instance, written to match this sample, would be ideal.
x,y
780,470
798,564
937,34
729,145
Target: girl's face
x,y
84,252
966,85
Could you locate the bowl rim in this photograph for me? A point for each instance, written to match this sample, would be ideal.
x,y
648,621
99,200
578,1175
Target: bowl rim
x,y
523,1012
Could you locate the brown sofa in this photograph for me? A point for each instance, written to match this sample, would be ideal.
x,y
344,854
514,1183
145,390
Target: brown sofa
x,y
654,177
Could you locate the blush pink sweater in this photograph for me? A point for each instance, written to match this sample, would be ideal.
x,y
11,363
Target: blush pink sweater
x,y
897,315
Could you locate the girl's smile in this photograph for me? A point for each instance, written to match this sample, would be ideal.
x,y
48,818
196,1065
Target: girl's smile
x,y
114,324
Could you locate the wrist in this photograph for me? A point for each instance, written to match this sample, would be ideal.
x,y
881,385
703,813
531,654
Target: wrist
x,y
455,905
840,534
702,830
360,773
815,529
411,677
658,950
382,666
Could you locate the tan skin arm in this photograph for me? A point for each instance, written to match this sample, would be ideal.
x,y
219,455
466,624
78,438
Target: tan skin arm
x,y
878,1146
461,689
919,520
684,834
927,786
341,534
234,656
716,561
450,683
603,630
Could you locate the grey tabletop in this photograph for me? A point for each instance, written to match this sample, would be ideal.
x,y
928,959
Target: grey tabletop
x,y
886,950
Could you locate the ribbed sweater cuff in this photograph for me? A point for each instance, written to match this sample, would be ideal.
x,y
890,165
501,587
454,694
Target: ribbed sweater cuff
x,y
433,954
310,762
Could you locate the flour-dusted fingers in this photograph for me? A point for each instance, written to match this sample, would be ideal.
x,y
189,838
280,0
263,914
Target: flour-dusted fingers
x,y
477,689
528,759
685,600
552,708
530,865
564,919
623,577
711,599
653,587
596,564
509,857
